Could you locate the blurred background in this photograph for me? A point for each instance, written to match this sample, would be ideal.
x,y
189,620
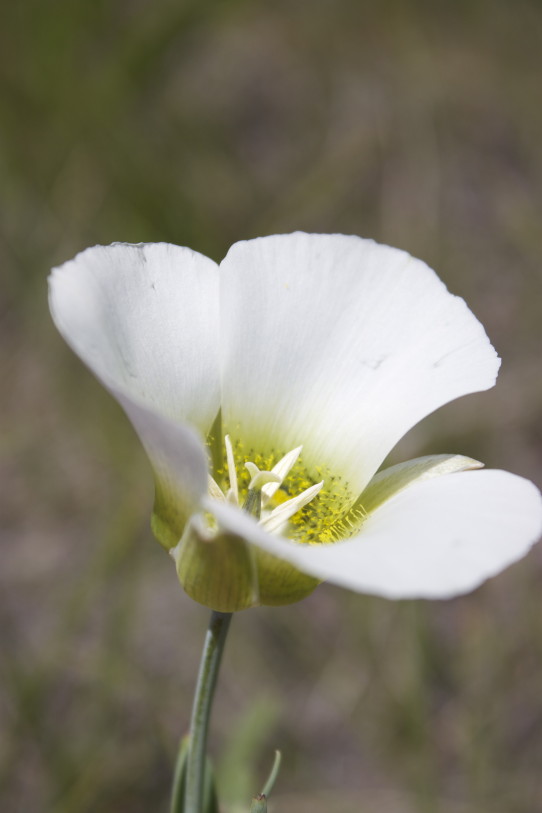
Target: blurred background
x,y
200,123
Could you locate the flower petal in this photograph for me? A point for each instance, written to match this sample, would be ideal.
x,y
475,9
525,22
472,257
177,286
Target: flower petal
x,y
144,318
179,464
342,345
436,539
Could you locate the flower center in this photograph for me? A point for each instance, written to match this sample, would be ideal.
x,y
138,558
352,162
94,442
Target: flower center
x,y
310,506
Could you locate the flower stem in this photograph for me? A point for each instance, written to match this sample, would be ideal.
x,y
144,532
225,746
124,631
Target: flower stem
x,y
201,709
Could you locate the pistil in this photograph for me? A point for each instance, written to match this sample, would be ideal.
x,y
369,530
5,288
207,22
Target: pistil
x,y
259,479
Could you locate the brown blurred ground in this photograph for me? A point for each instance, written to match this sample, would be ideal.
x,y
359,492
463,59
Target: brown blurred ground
x,y
200,123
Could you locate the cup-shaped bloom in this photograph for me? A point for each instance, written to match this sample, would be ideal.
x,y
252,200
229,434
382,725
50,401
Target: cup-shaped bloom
x,y
268,391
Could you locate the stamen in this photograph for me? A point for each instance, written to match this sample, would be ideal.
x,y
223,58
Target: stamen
x,y
214,490
282,468
233,493
283,512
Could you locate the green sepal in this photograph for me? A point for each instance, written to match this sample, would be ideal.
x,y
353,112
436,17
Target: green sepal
x,y
210,798
217,571
390,481
279,582
227,574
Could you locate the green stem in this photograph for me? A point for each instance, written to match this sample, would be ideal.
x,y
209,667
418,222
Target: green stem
x,y
201,709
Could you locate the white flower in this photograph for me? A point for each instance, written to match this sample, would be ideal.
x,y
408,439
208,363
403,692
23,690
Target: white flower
x,y
279,381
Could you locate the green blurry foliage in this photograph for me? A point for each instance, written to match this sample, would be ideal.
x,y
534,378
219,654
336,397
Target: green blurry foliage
x,y
202,123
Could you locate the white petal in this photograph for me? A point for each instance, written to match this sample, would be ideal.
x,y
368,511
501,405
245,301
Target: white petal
x,y
436,539
144,318
341,345
180,468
